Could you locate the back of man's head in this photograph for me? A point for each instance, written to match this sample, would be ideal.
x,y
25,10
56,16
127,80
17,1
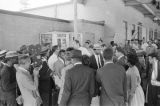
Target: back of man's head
x,y
61,53
112,43
77,42
108,54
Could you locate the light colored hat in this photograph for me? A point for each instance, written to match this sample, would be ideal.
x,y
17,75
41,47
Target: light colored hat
x,y
2,53
10,54
97,46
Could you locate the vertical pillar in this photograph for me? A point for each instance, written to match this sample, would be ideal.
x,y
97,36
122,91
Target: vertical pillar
x,y
75,19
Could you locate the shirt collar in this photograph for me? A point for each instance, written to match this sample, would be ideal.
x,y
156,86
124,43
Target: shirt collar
x,y
108,62
21,68
3,63
77,63
44,59
61,60
120,57
7,65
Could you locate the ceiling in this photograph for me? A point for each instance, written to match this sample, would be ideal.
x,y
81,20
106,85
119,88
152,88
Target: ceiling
x,y
147,8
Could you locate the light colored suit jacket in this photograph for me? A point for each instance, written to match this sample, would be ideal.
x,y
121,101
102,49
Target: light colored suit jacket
x,y
58,66
27,87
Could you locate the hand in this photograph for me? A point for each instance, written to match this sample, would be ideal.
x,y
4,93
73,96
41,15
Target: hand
x,y
130,99
153,82
126,104
36,70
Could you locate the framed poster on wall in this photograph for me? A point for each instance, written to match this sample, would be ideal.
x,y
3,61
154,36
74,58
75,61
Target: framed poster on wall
x,y
63,39
45,38
150,34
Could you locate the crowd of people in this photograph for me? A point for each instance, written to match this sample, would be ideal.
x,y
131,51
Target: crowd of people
x,y
88,75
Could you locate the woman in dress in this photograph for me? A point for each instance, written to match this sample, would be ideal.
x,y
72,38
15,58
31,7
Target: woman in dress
x,y
134,89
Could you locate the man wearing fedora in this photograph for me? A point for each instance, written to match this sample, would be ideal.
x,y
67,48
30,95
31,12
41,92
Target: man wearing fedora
x,y
8,80
2,57
79,83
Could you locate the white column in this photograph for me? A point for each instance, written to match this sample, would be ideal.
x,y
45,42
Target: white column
x,y
75,19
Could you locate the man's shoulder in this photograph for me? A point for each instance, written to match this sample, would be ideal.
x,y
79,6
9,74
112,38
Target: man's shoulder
x,y
112,66
21,73
81,67
58,62
5,69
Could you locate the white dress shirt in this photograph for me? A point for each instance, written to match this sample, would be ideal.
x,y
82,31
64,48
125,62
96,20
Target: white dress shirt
x,y
144,46
84,51
53,58
155,71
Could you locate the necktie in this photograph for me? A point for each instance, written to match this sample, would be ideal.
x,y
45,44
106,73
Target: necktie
x,y
99,61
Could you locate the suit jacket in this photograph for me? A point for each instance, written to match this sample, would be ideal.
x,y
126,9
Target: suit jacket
x,y
79,86
93,62
58,66
26,86
113,81
122,62
8,83
44,79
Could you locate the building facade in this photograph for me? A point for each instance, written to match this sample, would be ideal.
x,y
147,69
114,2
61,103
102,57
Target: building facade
x,y
121,22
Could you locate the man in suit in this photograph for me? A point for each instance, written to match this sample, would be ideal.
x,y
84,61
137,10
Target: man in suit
x,y
121,59
46,83
96,60
8,80
58,66
153,91
79,83
112,78
2,57
60,63
27,83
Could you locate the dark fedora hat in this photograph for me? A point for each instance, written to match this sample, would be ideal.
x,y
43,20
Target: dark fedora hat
x,y
76,54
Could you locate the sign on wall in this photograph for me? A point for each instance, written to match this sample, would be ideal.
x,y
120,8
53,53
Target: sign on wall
x,y
62,39
45,38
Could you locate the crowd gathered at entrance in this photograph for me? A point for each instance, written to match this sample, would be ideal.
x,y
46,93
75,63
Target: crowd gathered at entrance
x,y
88,75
